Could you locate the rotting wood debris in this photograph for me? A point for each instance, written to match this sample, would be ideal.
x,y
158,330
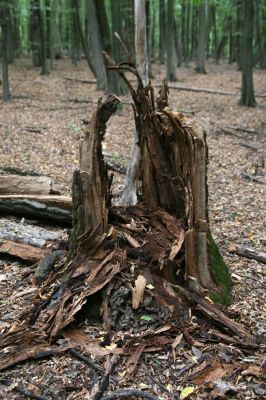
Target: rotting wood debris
x,y
123,257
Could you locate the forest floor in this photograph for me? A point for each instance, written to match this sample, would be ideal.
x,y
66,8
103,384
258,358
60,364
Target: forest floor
x,y
40,130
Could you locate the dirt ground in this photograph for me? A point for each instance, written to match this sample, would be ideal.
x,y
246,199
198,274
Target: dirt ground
x,y
40,130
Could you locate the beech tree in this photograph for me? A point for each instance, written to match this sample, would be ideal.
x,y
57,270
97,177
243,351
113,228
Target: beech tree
x,y
200,66
170,45
247,90
4,16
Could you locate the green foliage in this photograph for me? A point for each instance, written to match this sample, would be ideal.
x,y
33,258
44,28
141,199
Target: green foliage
x,y
221,274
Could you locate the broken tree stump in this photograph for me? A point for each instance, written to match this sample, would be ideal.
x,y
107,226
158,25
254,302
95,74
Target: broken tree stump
x,y
125,255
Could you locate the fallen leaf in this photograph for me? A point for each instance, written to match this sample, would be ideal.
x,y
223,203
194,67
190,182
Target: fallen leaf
x,y
254,370
186,392
146,318
112,346
150,286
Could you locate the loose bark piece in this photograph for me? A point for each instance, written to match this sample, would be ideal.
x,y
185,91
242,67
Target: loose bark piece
x,y
133,360
17,184
138,291
46,265
55,208
21,250
248,252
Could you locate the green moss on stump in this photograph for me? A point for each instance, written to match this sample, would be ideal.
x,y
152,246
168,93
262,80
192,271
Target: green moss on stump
x,y
221,274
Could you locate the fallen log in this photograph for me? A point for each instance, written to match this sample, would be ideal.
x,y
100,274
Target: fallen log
x,y
52,207
17,184
28,234
207,90
21,250
248,252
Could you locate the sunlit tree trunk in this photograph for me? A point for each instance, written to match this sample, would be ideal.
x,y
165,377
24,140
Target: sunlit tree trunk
x,y
247,90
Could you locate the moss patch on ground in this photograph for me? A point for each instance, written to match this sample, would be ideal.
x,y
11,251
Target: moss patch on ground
x,y
221,274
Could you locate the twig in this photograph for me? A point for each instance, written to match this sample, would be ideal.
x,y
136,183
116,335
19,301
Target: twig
x,y
90,363
228,132
103,385
252,178
252,278
90,81
157,382
249,146
86,360
129,393
21,390
248,252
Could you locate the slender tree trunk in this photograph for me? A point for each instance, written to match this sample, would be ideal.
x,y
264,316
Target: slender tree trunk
x,y
247,91
41,20
4,26
95,45
263,38
170,45
260,38
129,195
162,38
141,40
114,82
200,65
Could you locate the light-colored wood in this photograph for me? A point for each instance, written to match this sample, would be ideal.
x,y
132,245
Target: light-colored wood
x,y
18,184
50,200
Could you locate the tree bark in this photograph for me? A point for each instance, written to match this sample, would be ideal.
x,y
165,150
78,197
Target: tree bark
x,y
54,208
17,184
4,12
200,66
170,45
247,90
162,26
96,46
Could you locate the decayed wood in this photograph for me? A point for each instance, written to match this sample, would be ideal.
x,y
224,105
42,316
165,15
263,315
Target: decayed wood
x,y
21,250
91,194
64,202
174,171
52,207
17,184
28,234
248,252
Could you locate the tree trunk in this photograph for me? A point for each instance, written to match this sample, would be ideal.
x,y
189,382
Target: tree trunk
x,y
200,65
170,45
95,45
141,41
41,21
247,90
162,26
4,26
129,195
